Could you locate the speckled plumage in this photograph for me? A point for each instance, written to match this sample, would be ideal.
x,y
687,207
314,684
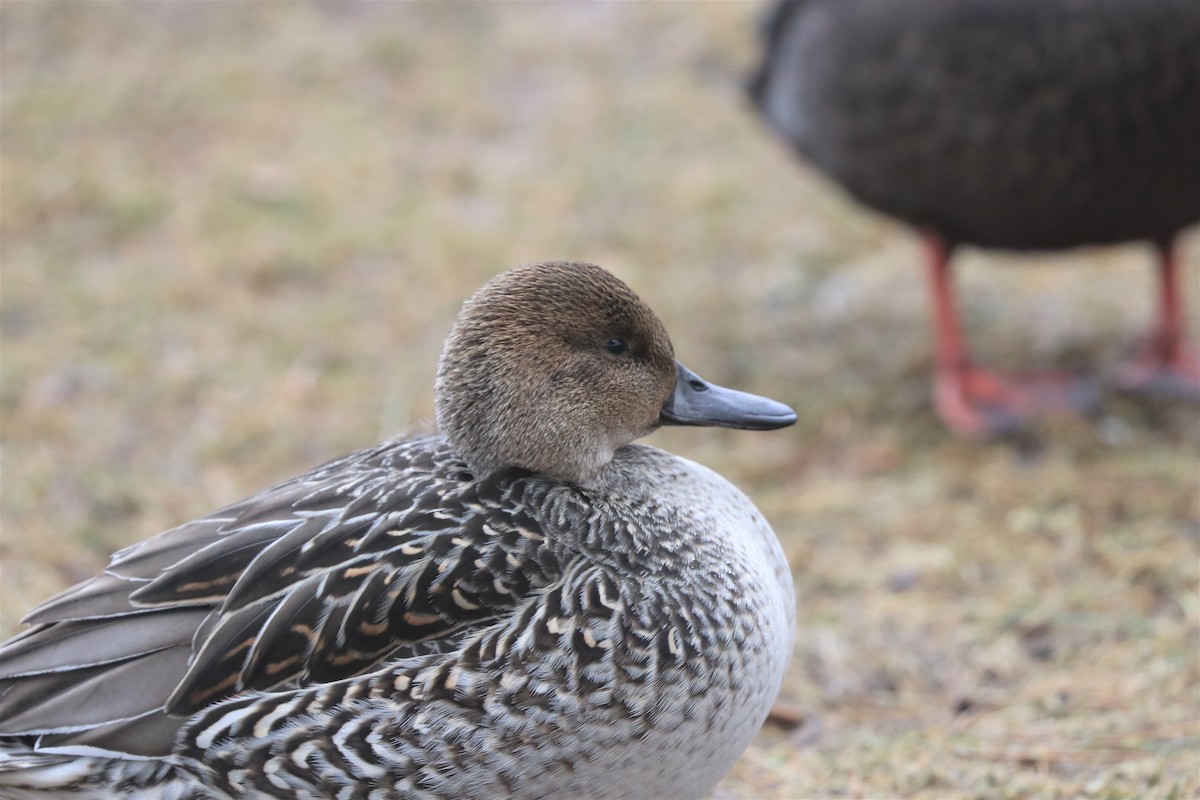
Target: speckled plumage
x,y
394,625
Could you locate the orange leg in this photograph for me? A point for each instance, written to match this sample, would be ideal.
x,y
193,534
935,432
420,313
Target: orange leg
x,y
1166,365
979,402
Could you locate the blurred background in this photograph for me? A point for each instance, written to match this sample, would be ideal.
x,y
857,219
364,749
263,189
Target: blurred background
x,y
234,235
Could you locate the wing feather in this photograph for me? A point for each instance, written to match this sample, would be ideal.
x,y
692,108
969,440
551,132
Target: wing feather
x,y
89,643
103,596
385,553
81,698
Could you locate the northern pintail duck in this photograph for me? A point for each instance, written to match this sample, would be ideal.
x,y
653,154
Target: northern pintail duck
x,y
524,605
1011,124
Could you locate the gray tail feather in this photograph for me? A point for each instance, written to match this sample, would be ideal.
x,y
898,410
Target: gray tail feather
x,y
26,772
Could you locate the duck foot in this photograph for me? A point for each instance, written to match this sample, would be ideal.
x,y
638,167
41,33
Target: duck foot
x,y
982,403
1166,367
1155,374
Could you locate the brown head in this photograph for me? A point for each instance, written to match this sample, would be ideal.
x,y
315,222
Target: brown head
x,y
553,367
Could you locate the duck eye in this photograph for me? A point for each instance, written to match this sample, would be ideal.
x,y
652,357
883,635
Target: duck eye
x,y
616,346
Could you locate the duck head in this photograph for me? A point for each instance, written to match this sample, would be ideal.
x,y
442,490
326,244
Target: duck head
x,y
553,367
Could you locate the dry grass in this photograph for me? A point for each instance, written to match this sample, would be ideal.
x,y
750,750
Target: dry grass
x,y
234,235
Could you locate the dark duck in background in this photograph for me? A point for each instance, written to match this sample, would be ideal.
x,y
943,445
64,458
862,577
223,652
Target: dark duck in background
x,y
1009,124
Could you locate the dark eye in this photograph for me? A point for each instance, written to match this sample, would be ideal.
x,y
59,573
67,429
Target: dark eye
x,y
616,346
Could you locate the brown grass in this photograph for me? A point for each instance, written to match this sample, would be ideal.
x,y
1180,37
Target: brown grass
x,y
233,236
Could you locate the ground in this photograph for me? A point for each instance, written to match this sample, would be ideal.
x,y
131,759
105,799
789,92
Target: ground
x,y
234,235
